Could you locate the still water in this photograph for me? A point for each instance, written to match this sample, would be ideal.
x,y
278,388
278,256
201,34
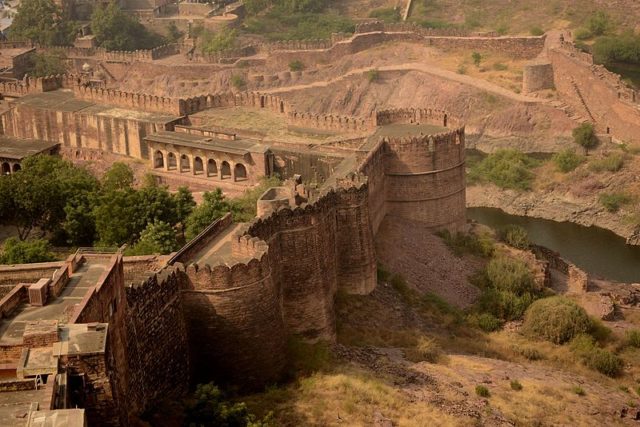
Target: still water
x,y
595,250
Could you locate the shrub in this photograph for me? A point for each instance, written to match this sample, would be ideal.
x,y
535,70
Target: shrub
x,y
506,168
567,160
536,31
585,136
238,81
632,338
485,321
514,235
624,48
426,350
373,75
578,390
296,65
611,163
502,29
462,69
599,23
511,275
465,243
529,353
482,391
582,34
613,201
387,14
477,58
556,319
28,251
515,385
596,358
499,66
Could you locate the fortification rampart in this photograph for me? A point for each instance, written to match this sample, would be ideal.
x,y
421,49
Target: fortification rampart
x,y
605,98
133,101
329,121
115,55
30,85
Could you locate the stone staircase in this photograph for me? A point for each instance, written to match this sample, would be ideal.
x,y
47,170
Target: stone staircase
x,y
582,101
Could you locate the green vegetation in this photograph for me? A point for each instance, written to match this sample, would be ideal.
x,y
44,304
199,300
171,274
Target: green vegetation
x,y
41,21
17,252
482,391
515,385
632,338
506,168
578,390
536,31
484,321
238,82
508,288
585,136
296,65
514,235
117,30
208,407
567,160
467,243
556,319
594,357
599,23
426,350
462,69
612,162
157,238
174,34
373,75
295,19
477,58
624,48
46,64
211,43
613,201
529,353
388,14
499,66
308,358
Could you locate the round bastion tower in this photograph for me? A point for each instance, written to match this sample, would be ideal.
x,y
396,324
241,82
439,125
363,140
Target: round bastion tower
x,y
424,167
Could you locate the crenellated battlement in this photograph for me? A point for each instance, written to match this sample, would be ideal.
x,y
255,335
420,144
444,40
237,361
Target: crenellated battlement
x,y
129,100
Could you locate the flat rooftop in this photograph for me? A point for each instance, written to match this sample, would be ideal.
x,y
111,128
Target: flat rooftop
x,y
64,100
182,139
57,418
15,405
61,308
7,55
269,125
18,149
84,338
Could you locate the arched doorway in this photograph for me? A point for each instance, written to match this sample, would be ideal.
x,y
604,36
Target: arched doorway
x,y
185,165
6,169
16,167
240,172
172,162
226,170
212,168
198,166
158,160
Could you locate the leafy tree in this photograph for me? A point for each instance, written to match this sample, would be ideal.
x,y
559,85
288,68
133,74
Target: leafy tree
x,y
174,33
585,136
213,206
119,176
17,252
184,204
45,64
208,408
117,30
157,204
79,224
623,48
41,22
118,217
157,238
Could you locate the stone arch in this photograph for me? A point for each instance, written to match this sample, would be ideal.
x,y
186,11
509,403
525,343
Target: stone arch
x,y
158,159
16,167
6,168
212,168
240,172
225,169
185,164
198,166
172,162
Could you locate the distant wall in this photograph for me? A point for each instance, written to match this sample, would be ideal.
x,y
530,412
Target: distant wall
x,y
205,237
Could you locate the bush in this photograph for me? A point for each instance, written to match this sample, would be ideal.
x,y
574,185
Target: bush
x,y
499,66
482,391
556,319
578,390
477,58
599,23
465,243
624,48
515,385
279,23
529,353
585,136
296,65
462,69
387,14
613,201
426,350
485,321
611,163
632,338
536,31
29,251
506,168
583,34
511,275
567,160
373,75
594,357
238,82
514,235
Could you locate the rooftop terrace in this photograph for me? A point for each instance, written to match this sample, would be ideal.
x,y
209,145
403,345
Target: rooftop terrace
x,y
18,149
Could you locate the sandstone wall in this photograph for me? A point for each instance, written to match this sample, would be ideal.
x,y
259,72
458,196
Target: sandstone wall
x,y
603,97
27,273
537,76
205,237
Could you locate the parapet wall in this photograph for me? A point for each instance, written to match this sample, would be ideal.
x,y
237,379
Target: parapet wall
x,y
128,100
30,85
205,237
116,55
414,116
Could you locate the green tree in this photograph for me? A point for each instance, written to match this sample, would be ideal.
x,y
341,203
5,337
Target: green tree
x,y
213,206
118,217
208,407
17,252
118,177
46,64
157,238
174,33
585,136
117,30
41,22
184,204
